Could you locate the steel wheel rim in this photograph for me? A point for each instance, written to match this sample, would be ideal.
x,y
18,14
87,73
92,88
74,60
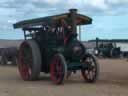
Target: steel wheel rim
x,y
57,70
25,64
89,73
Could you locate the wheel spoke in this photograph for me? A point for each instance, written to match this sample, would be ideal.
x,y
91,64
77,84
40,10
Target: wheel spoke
x,y
90,73
57,69
25,61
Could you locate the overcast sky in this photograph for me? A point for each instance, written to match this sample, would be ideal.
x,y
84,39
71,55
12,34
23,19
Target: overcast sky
x,y
110,17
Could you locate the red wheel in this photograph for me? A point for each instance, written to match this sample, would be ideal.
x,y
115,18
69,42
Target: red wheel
x,y
90,74
58,69
29,60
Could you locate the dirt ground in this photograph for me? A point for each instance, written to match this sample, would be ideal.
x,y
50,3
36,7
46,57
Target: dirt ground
x,y
113,81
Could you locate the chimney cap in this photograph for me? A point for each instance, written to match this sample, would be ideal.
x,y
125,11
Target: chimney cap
x,y
73,10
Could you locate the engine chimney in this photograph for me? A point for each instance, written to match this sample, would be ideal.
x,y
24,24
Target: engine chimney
x,y
73,15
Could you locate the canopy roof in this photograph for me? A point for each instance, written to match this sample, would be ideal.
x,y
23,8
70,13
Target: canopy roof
x,y
50,20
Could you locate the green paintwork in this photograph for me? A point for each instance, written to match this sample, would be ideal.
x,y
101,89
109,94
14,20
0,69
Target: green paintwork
x,y
49,42
76,66
51,20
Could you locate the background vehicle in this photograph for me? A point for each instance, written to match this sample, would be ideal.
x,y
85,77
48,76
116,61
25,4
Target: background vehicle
x,y
8,55
107,49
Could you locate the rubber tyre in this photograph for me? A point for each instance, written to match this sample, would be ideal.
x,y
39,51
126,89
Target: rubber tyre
x,y
33,69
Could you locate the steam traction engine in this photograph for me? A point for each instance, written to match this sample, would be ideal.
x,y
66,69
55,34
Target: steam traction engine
x,y
51,46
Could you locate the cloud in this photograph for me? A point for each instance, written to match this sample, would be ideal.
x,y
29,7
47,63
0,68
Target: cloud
x,y
51,2
12,21
117,1
25,9
100,4
16,10
5,1
7,11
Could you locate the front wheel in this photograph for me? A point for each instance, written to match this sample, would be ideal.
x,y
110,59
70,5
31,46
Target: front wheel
x,y
58,69
90,74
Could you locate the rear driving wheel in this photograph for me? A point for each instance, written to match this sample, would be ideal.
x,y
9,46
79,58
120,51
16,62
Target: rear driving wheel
x,y
29,60
58,69
90,74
